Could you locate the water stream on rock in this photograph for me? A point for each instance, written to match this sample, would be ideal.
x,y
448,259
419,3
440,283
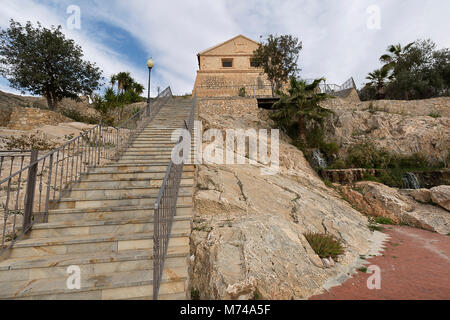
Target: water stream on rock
x,y
319,160
410,181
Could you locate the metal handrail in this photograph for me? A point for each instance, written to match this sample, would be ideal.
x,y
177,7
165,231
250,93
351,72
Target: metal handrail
x,y
165,209
49,177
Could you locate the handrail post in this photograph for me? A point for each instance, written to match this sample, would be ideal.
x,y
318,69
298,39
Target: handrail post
x,y
99,142
31,187
49,182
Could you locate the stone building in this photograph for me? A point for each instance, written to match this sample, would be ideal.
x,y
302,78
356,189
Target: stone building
x,y
228,67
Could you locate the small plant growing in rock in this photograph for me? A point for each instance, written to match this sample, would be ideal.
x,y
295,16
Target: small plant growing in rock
x,y
328,183
435,115
242,92
195,294
363,269
325,245
373,227
384,220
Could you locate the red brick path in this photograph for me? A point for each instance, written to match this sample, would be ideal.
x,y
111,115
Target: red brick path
x,y
415,265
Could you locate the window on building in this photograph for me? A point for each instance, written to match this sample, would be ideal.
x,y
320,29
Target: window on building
x,y
227,63
253,63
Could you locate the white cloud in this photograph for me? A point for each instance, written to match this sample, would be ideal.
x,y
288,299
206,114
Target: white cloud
x,y
337,43
109,61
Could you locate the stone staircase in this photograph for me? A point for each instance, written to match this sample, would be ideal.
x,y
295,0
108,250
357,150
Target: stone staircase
x,y
104,225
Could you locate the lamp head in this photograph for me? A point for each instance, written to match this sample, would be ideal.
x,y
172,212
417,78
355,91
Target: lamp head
x,y
150,63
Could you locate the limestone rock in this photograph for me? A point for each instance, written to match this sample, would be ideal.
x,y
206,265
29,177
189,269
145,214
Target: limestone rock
x,y
254,241
376,199
421,195
401,130
441,196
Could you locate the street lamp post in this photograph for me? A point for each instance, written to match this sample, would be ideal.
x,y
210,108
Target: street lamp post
x,y
150,65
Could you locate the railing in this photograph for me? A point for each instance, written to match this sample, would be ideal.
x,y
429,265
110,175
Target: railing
x,y
165,209
27,195
334,88
12,161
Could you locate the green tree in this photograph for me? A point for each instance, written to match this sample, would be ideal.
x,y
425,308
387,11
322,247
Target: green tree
x,y
421,73
138,88
378,79
278,56
395,52
43,62
124,81
128,91
301,104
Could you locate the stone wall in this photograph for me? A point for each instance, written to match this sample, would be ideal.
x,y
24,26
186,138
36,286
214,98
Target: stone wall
x,y
227,84
231,106
32,118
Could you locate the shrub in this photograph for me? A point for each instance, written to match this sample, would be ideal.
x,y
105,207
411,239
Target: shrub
x,y
339,164
328,183
325,245
384,220
79,117
373,227
32,142
366,155
329,149
195,294
416,160
435,115
242,92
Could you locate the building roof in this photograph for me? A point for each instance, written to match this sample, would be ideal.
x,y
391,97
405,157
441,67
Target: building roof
x,y
221,44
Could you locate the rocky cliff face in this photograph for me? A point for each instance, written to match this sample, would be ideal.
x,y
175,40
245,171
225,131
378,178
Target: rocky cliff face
x,y
248,229
423,208
402,127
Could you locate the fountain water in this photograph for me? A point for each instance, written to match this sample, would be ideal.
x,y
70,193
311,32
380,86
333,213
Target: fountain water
x,y
318,159
410,181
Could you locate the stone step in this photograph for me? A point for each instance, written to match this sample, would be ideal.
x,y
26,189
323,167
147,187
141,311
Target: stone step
x,y
22,269
114,192
143,174
156,144
91,243
116,227
148,153
148,158
128,183
129,284
146,200
111,213
131,167
149,148
187,167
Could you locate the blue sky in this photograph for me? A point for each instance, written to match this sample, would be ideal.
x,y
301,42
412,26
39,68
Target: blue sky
x,y
341,38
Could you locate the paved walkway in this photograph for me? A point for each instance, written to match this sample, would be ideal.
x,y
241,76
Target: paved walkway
x,y
415,265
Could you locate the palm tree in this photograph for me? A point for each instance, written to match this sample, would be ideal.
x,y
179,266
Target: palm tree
x,y
138,88
124,81
301,104
113,80
394,54
378,79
